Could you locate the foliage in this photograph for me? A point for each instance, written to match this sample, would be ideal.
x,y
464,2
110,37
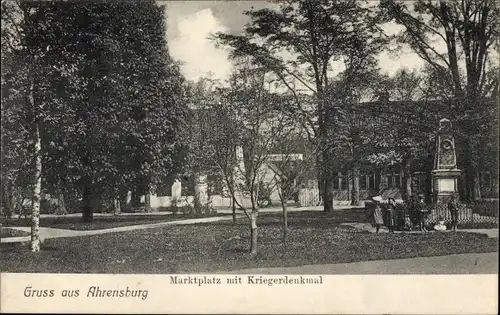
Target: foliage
x,y
113,103
314,33
17,169
469,31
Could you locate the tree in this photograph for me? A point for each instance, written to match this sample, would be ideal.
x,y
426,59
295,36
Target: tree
x,y
203,96
104,99
295,161
351,137
245,129
124,99
469,31
404,141
315,33
19,87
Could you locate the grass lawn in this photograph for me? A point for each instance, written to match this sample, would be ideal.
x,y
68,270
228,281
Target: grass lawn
x,y
6,232
99,223
314,238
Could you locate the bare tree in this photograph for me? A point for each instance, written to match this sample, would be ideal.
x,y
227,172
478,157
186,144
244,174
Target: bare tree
x,y
245,130
292,166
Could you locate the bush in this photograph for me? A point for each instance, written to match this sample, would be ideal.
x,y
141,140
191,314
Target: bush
x,y
189,209
47,207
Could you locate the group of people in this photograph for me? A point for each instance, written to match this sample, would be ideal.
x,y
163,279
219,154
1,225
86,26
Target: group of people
x,y
405,218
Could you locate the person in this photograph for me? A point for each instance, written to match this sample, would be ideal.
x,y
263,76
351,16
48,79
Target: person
x,y
391,214
421,211
412,211
378,215
453,208
440,226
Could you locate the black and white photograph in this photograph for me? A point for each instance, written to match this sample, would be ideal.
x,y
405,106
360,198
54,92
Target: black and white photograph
x,y
274,143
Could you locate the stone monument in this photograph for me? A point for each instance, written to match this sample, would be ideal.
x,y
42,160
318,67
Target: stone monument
x,y
201,191
445,174
176,190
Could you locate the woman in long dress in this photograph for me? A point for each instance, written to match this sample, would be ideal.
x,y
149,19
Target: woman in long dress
x,y
378,215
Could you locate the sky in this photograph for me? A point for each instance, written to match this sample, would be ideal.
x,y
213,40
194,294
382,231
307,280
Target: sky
x,y
190,23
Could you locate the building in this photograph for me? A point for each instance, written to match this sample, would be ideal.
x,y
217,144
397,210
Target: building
x,y
417,121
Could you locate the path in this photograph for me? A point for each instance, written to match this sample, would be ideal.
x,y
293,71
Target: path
x,y
46,233
474,263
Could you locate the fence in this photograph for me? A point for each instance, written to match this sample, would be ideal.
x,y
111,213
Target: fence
x,y
480,212
308,197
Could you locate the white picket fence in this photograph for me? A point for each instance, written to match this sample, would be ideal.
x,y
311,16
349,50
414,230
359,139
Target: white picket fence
x,y
308,197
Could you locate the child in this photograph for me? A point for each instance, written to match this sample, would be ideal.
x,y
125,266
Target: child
x,y
422,212
440,226
452,207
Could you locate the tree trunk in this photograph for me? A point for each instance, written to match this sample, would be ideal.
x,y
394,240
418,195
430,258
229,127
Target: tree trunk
x,y
355,186
476,186
253,232
7,199
327,195
88,210
61,203
473,188
147,202
136,198
117,208
407,179
348,181
285,220
234,210
327,182
320,178
122,201
407,191
320,190
35,214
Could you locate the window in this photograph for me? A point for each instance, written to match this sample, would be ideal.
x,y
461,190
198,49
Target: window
x,y
372,182
343,183
397,180
394,181
390,182
363,183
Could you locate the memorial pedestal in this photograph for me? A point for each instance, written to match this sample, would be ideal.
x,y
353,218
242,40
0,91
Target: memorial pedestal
x,y
444,184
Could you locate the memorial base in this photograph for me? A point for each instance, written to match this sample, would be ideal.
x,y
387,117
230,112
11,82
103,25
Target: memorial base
x,y
444,185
